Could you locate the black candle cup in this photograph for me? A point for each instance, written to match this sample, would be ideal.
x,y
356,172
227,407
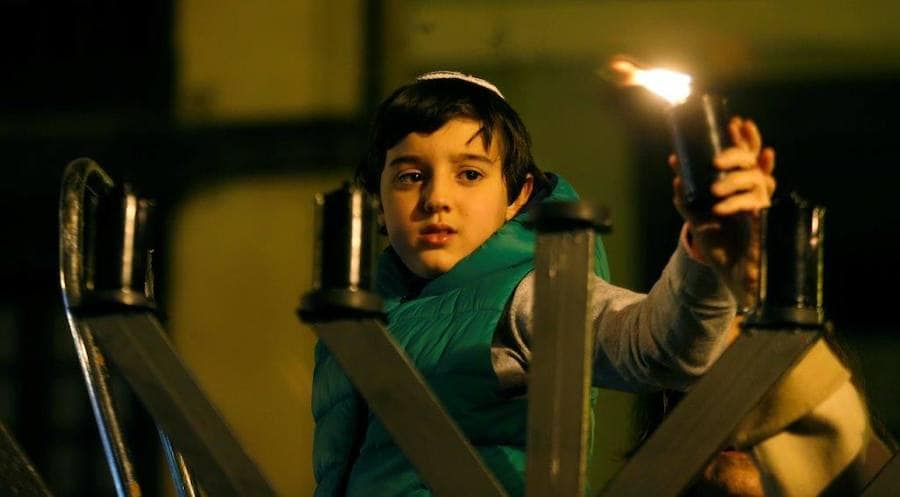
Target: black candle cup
x,y
792,266
346,228
699,133
118,270
346,224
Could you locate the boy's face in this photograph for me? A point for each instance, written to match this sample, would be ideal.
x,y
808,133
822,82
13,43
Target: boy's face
x,y
443,194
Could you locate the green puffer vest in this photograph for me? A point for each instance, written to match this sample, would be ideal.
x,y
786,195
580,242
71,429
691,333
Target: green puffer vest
x,y
447,329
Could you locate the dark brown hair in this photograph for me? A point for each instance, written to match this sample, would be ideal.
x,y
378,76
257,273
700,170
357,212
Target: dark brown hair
x,y
425,105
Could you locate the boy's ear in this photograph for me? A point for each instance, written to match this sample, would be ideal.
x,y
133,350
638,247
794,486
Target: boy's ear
x,y
524,195
382,228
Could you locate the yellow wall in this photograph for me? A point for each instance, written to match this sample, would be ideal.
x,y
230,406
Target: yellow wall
x,y
716,39
241,260
268,59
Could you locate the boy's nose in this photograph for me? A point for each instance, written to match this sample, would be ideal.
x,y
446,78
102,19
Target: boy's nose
x,y
436,197
435,205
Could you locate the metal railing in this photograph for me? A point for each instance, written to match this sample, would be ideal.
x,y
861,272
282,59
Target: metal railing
x,y
106,279
107,289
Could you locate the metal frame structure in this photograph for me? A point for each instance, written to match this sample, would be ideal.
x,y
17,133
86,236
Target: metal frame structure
x,y
18,476
704,420
394,388
559,384
107,291
887,482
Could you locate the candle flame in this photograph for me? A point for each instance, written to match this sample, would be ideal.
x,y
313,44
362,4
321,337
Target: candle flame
x,y
674,87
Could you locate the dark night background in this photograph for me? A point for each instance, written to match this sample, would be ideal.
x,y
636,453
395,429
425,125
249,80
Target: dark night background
x,y
99,79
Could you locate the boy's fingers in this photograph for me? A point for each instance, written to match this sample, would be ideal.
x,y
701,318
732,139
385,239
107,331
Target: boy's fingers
x,y
744,182
752,135
745,202
770,185
767,160
734,129
673,161
735,158
678,196
676,183
738,181
677,188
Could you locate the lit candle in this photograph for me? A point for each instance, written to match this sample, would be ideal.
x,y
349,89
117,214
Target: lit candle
x,y
697,123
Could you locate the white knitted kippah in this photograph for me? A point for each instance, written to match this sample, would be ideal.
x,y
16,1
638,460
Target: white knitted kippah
x,y
465,77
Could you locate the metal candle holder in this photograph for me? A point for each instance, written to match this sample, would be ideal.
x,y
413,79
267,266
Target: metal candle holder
x,y
792,265
346,226
108,293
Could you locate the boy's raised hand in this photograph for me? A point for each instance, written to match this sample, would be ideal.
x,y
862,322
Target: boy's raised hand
x,y
726,239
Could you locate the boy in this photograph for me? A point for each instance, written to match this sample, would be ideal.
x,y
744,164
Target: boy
x,y
450,161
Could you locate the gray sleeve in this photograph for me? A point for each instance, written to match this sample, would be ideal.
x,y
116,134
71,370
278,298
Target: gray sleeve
x,y
664,339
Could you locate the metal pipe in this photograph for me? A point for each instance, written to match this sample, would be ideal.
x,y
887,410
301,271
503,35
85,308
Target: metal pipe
x,y
182,479
96,378
83,183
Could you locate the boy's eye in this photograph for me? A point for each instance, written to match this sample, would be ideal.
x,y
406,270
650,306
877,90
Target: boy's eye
x,y
471,175
409,177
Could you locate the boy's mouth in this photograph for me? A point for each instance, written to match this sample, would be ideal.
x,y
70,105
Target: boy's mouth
x,y
436,235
